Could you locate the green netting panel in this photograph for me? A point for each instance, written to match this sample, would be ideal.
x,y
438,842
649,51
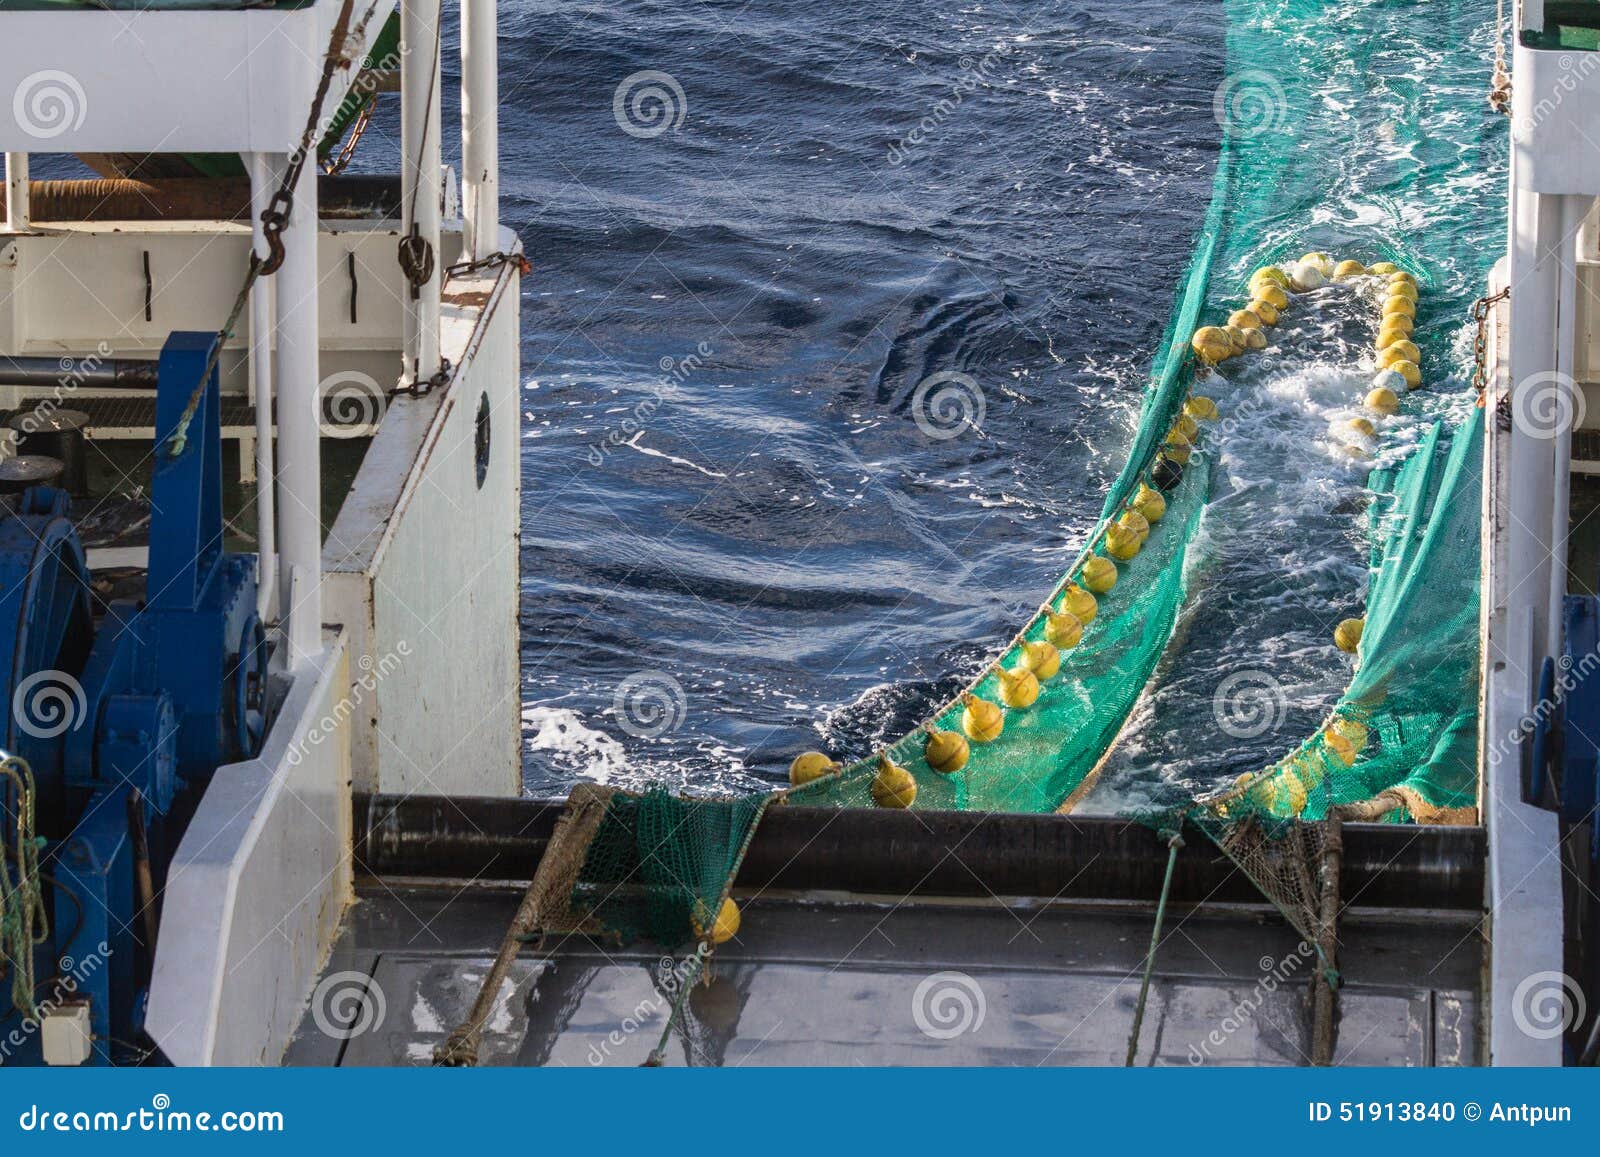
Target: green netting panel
x,y
1303,102
1046,752
1408,722
660,865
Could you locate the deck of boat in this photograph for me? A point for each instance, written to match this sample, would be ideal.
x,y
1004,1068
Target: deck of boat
x,y
913,976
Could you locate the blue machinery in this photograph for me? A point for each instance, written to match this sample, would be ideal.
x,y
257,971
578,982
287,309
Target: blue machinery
x,y
123,720
1561,772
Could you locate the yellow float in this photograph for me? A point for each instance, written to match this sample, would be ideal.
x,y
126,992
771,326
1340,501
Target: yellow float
x,y
1042,658
1403,350
1019,687
1122,543
1079,603
810,765
1135,522
1382,400
893,786
1149,502
982,721
726,926
1063,631
946,752
1099,574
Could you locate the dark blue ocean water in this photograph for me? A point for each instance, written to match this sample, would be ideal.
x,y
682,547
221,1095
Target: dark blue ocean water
x,y
737,540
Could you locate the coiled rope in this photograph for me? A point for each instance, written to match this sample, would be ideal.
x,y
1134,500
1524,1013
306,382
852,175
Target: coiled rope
x,y
23,923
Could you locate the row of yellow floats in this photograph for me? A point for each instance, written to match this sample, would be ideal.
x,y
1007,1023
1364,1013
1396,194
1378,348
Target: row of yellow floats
x,y
1283,788
1272,289
1067,614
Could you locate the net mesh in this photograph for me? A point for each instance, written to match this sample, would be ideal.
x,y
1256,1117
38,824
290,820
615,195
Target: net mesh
x,y
659,866
1408,723
1298,87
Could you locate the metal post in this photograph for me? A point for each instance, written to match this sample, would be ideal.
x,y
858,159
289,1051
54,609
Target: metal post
x,y
264,177
18,208
1565,258
299,464
480,127
421,192
1536,222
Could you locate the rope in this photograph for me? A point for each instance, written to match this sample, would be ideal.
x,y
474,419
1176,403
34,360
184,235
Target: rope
x,y
1500,85
23,923
1174,845
658,1055
274,218
1327,982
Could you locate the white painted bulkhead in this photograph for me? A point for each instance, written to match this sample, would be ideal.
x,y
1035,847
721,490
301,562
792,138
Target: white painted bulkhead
x,y
1538,361
118,71
422,557
256,891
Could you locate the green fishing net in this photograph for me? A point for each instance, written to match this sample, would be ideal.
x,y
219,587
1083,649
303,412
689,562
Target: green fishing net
x,y
660,865
1333,140
1408,723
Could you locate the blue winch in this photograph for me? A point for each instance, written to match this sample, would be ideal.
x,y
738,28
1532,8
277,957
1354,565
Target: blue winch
x,y
122,712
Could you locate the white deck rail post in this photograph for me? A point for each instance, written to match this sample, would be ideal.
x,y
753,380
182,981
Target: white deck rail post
x,y
264,177
480,127
299,428
18,207
421,189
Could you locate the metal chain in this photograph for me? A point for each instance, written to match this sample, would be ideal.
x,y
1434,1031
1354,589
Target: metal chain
x,y
1480,341
492,261
337,165
274,218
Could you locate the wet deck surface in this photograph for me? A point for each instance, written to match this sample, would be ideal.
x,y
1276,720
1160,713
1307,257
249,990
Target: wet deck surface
x,y
811,983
